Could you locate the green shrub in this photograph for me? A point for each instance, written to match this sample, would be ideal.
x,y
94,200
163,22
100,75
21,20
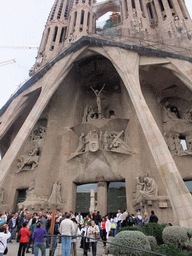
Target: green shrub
x,y
189,232
175,235
132,228
170,250
135,239
153,242
154,229
188,244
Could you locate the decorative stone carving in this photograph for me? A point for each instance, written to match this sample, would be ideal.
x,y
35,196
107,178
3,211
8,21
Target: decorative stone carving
x,y
31,160
178,24
95,140
98,98
139,186
172,121
2,193
100,181
55,197
81,146
38,134
146,187
105,140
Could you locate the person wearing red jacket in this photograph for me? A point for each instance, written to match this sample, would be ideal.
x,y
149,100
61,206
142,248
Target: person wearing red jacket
x,y
24,234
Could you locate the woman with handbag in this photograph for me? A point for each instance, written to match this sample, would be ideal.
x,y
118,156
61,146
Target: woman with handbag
x,y
4,235
93,232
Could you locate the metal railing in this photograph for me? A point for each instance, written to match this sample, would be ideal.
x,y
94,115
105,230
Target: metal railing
x,y
76,246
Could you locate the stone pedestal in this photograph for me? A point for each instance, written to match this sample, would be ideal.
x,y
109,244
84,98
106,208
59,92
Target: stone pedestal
x,y
102,197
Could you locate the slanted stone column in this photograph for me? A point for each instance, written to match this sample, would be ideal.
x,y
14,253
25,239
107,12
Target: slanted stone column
x,y
52,82
102,196
127,65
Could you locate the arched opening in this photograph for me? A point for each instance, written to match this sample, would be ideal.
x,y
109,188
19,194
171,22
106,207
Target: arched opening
x,y
108,15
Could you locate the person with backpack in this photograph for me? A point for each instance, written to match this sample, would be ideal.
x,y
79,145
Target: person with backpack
x,y
153,218
129,220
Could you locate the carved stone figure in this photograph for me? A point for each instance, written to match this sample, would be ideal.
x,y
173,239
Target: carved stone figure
x,y
85,115
116,140
188,115
178,145
100,181
139,186
87,140
31,160
171,143
178,24
56,193
94,142
81,146
2,193
150,187
38,134
91,114
105,140
98,97
172,121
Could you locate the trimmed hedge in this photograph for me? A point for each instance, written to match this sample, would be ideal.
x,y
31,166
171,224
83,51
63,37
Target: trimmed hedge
x,y
154,229
135,239
175,235
131,228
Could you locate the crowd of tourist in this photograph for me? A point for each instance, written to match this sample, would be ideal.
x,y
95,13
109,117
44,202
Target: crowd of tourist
x,y
30,230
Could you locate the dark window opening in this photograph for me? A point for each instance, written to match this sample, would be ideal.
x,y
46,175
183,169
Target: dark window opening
x,y
88,18
55,34
62,36
89,2
82,17
126,8
152,13
133,4
170,4
75,19
161,5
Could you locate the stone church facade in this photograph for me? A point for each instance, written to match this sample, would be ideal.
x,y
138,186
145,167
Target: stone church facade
x,y
101,106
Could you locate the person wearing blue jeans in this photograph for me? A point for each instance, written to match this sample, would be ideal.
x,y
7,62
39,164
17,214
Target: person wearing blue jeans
x,y
67,230
40,246
66,246
38,237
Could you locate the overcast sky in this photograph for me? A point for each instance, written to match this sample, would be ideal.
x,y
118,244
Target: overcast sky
x,y
21,24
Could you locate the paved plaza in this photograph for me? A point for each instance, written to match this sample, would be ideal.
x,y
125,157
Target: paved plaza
x,y
13,249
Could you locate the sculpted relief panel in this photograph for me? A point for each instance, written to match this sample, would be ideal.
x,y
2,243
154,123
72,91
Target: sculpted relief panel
x,y
177,126
30,159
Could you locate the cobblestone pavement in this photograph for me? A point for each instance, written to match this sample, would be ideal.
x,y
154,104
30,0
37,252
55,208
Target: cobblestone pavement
x,y
13,248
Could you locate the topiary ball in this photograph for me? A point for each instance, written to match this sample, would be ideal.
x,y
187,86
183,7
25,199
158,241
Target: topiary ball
x,y
175,235
153,242
134,239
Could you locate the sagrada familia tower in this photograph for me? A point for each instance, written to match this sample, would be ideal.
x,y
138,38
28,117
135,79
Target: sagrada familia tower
x,y
104,104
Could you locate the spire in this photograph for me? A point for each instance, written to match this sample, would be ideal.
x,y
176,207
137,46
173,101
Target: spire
x,y
152,23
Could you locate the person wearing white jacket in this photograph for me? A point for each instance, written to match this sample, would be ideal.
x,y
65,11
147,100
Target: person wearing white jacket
x,y
93,231
108,226
4,235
